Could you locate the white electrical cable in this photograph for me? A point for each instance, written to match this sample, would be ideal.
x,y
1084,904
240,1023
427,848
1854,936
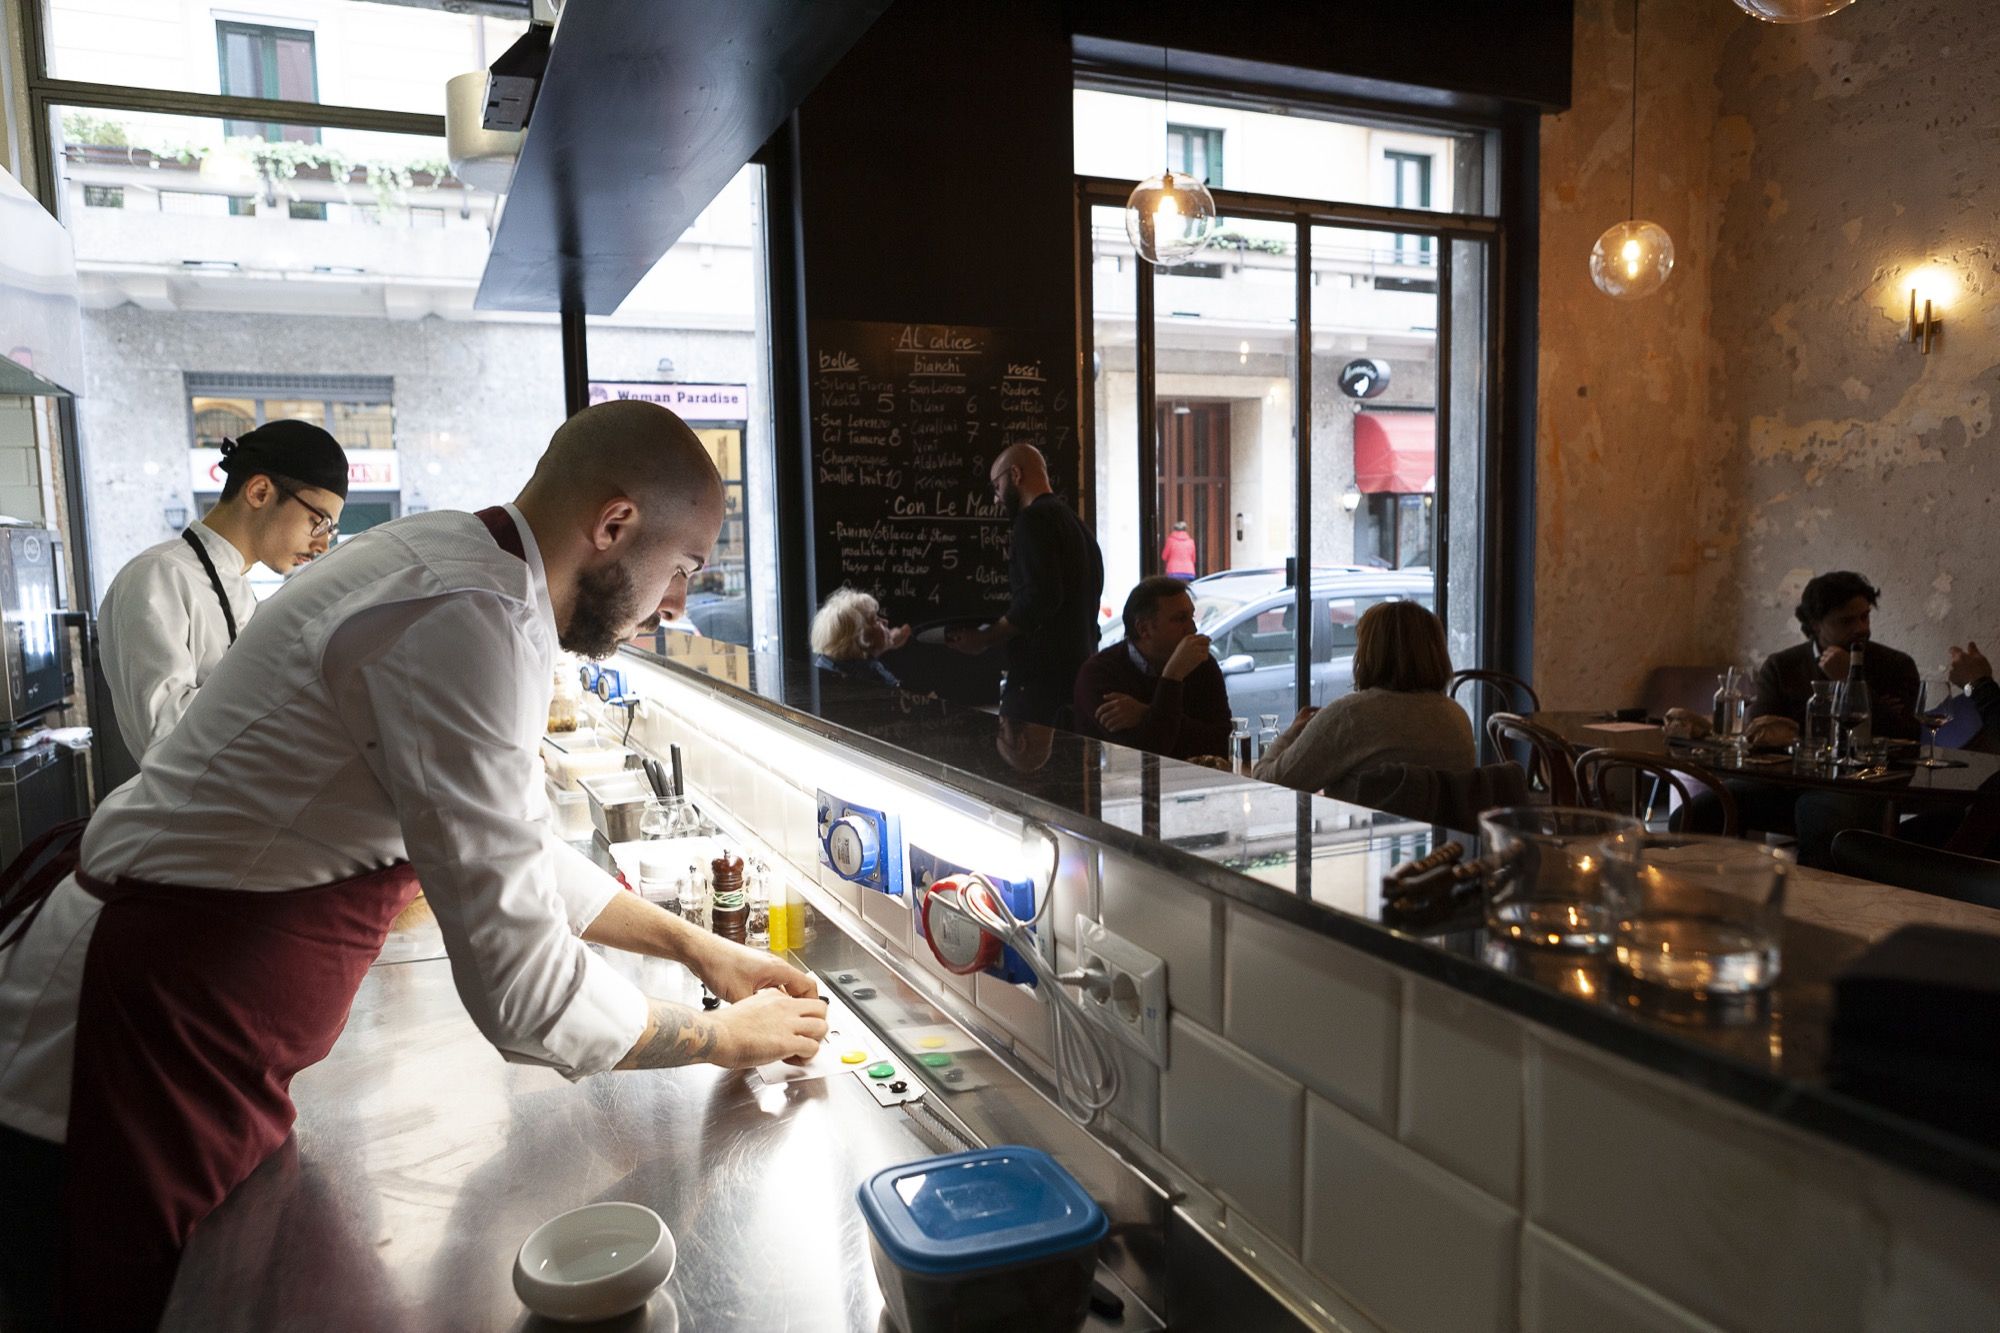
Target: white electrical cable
x,y
1086,1070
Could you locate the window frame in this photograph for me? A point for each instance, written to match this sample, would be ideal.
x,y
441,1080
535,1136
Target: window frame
x,y
267,36
1211,140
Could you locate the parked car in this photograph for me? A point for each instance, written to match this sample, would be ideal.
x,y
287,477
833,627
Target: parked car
x,y
1250,618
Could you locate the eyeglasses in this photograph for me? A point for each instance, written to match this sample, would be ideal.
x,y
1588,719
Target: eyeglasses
x,y
324,525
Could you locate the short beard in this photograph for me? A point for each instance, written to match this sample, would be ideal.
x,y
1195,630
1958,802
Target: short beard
x,y
605,614
1010,499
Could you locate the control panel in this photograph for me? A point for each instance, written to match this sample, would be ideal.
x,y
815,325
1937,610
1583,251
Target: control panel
x,y
958,941
861,844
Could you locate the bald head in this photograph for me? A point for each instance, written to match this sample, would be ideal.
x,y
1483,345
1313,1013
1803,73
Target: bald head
x,y
1020,476
638,450
625,505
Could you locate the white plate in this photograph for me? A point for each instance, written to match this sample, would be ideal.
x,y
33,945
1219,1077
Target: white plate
x,y
594,1262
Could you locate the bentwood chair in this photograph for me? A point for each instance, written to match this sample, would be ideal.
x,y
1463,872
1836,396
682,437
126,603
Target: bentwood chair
x,y
1512,689
1551,764
1911,865
1690,782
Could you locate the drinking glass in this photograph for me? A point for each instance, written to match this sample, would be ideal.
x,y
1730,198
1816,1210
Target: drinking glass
x,y
1267,731
1933,694
1551,888
1822,738
1705,914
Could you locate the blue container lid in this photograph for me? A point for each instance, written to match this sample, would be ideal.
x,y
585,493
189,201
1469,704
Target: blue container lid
x,y
990,1208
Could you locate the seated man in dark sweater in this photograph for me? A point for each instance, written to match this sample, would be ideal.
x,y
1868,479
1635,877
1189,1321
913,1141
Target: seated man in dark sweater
x,y
1834,612
1159,690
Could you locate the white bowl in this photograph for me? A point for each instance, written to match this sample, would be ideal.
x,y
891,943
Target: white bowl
x,y
594,1262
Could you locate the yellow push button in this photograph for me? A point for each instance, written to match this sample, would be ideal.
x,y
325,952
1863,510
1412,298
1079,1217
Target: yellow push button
x,y
931,1043
854,1057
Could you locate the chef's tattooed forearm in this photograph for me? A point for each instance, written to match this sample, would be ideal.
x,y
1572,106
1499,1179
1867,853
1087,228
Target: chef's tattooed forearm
x,y
674,1035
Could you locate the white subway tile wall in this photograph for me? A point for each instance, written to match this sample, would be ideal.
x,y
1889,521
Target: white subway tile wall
x,y
1235,1124
1322,1012
1564,1290
1460,1103
1738,1222
1435,1120
1411,1242
1178,922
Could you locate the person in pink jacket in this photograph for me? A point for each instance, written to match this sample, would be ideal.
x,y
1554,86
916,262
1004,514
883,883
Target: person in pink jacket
x,y
1179,552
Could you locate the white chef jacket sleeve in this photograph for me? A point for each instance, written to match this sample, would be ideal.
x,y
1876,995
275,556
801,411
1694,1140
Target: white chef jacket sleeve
x,y
145,624
456,703
584,886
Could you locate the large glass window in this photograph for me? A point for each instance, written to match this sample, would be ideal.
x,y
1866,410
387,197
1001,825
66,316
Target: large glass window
x,y
1204,395
395,57
694,335
201,322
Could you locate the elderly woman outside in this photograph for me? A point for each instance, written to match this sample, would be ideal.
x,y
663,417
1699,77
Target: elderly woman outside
x,y
1398,713
850,634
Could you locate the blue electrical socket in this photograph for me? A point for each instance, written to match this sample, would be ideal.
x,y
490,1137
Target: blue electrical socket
x,y
877,848
926,868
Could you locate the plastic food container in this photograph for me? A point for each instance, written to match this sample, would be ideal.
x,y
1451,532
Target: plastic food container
x,y
997,1239
569,813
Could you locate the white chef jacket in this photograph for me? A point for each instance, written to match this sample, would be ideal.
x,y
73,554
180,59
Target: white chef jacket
x,y
162,631
389,704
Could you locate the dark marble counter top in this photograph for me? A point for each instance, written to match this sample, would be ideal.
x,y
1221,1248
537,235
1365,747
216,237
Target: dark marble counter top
x,y
1319,863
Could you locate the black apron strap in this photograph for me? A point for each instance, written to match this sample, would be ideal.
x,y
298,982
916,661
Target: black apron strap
x,y
214,580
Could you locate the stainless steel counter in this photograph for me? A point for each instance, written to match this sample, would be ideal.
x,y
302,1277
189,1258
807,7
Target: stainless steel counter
x,y
421,1162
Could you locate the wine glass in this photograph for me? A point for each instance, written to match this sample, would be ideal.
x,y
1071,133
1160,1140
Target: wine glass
x,y
1933,695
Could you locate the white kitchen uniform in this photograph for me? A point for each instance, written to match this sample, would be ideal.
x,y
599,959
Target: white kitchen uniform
x,y
389,705
161,631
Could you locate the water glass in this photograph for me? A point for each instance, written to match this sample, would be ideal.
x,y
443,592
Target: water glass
x,y
1705,915
1822,734
1552,888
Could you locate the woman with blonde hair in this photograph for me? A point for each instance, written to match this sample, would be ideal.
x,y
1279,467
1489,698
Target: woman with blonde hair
x,y
850,634
1398,713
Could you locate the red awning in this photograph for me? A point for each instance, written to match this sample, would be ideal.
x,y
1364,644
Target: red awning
x,y
1395,452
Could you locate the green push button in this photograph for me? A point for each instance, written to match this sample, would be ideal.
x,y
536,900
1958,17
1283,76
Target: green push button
x,y
881,1069
936,1059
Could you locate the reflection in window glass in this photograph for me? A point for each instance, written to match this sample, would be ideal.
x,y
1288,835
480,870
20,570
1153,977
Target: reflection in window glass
x,y
1302,154
344,52
199,323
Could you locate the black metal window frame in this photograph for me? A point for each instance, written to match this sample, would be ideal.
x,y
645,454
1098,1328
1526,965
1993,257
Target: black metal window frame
x,y
1304,215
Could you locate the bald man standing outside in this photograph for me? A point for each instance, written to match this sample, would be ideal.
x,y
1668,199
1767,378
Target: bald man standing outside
x,y
374,728
1056,575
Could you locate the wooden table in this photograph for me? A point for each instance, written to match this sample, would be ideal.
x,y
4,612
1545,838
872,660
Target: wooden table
x,y
1929,786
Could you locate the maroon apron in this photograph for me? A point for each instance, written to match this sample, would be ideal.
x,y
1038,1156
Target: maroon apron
x,y
197,1008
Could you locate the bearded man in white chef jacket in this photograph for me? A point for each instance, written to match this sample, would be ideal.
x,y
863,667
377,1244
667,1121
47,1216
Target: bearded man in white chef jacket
x,y
175,608
373,728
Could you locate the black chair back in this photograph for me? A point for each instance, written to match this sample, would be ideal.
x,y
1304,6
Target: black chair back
x,y
1910,865
1705,801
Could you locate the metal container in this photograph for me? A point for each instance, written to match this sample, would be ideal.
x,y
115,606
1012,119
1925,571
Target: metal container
x,y
617,803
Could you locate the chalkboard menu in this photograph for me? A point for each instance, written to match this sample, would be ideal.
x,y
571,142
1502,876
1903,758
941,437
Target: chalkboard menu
x,y
906,420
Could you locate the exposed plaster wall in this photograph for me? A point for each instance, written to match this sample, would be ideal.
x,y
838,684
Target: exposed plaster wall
x,y
1631,544
1703,452
1873,148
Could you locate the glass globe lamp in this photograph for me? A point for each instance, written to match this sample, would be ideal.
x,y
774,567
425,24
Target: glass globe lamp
x,y
1170,218
1791,11
1632,259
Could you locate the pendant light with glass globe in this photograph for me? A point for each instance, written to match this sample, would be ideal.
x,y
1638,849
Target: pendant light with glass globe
x,y
1791,11
1169,217
1632,258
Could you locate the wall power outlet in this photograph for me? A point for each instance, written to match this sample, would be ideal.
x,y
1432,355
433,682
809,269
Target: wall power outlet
x,y
1130,998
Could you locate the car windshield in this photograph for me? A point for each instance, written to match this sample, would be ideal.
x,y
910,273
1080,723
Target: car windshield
x,y
1210,612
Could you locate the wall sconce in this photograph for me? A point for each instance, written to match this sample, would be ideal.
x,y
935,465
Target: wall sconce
x,y
1350,501
1923,327
1930,289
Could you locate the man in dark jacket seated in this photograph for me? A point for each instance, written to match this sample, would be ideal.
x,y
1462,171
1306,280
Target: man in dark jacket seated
x,y
1159,689
1970,669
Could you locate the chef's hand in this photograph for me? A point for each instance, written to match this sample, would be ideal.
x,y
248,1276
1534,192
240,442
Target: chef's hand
x,y
768,1026
1120,712
1188,654
1969,665
734,972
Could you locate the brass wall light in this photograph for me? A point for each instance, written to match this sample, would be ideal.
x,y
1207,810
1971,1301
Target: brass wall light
x,y
1929,289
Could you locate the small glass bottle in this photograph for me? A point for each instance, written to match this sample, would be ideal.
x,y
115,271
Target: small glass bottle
x,y
757,933
694,899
